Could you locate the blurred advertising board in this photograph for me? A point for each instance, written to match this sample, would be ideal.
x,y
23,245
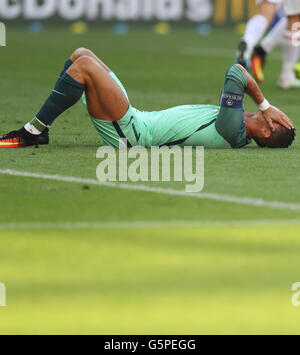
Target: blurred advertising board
x,y
218,12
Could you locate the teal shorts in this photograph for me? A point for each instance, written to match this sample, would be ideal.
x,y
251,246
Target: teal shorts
x,y
192,125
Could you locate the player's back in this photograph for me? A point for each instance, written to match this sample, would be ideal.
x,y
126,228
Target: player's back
x,y
191,125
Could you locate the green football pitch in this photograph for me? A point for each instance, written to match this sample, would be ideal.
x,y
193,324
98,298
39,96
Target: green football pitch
x,y
82,258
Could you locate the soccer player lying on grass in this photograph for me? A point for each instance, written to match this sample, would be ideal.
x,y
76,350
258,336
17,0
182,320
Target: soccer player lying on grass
x,y
86,76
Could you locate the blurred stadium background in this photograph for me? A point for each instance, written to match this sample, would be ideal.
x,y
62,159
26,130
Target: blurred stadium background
x,y
79,258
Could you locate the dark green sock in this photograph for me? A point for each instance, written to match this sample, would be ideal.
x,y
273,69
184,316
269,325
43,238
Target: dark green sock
x,y
40,125
67,65
66,93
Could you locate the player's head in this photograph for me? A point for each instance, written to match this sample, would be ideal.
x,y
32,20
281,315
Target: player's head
x,y
264,137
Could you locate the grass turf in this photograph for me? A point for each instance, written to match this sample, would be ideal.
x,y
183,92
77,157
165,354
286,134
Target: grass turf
x,y
137,281
185,280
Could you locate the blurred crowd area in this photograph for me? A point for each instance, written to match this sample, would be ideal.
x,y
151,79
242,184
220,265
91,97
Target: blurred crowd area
x,y
217,12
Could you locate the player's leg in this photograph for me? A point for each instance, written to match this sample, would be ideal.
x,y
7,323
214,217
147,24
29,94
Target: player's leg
x,y
84,52
30,134
256,28
291,46
80,52
272,40
105,99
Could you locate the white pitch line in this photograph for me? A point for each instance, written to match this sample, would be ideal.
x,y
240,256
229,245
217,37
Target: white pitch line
x,y
144,224
249,201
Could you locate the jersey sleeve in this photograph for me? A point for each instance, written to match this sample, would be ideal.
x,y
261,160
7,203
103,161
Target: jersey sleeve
x,y
230,122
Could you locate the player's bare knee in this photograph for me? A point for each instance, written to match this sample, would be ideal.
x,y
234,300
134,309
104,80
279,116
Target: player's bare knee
x,y
84,62
85,66
81,68
80,52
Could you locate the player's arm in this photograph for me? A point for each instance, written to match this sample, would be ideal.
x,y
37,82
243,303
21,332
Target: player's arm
x,y
270,113
230,123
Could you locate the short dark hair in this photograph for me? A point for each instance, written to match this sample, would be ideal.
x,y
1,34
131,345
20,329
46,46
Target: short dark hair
x,y
280,138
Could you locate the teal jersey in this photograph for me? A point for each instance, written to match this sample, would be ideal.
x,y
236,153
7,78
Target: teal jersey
x,y
188,125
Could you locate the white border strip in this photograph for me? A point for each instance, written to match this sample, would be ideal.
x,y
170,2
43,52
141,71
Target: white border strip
x,y
144,224
206,196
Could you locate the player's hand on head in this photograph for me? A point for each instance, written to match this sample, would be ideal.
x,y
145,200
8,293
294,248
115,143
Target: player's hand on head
x,y
273,114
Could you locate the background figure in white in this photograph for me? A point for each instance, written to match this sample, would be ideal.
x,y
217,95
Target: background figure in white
x,y
291,45
256,28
